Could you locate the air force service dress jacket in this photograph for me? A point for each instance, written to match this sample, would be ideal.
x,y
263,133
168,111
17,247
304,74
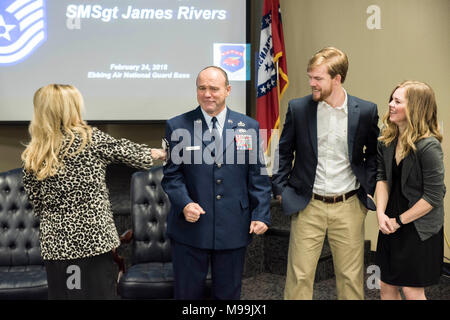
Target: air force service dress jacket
x,y
231,185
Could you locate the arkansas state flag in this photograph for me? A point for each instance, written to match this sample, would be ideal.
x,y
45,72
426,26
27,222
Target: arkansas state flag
x,y
271,84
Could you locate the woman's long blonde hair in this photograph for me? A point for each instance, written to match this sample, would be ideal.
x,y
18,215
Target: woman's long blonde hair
x,y
421,117
57,113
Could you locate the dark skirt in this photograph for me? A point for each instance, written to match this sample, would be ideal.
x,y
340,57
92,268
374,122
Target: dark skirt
x,y
91,278
407,261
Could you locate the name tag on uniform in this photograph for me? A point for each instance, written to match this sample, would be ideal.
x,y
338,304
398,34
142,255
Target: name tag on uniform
x,y
243,142
193,148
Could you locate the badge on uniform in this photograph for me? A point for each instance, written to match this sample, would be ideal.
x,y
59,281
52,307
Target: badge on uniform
x,y
243,142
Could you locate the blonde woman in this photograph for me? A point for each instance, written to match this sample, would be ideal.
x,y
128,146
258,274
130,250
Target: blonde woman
x,y
64,176
409,193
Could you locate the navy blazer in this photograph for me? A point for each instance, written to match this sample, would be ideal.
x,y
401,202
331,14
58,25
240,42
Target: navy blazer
x,y
295,183
233,192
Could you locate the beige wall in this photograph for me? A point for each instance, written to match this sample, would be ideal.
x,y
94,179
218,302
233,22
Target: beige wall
x,y
12,139
411,44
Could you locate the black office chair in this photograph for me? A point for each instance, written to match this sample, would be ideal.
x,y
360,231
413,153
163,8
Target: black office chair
x,y
150,275
22,273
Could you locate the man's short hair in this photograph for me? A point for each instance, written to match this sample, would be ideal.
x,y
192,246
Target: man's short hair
x,y
335,60
227,82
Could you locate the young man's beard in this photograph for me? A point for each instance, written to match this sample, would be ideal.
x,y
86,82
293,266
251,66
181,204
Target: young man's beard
x,y
323,94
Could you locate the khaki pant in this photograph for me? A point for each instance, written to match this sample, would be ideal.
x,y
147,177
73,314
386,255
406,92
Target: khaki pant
x,y
344,223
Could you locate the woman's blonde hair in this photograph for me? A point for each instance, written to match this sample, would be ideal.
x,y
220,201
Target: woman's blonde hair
x,y
57,113
421,117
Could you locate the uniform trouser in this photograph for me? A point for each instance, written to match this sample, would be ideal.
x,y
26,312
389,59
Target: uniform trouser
x,y
190,266
344,223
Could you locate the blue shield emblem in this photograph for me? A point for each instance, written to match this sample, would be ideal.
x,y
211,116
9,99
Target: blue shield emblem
x,y
23,28
232,57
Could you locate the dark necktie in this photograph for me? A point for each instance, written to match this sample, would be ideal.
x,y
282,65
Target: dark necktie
x,y
215,137
215,131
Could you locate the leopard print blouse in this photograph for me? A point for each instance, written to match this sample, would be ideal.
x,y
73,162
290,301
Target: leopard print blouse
x,y
73,205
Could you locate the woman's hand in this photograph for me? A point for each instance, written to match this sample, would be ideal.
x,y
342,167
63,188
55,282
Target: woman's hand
x,y
394,224
159,154
385,223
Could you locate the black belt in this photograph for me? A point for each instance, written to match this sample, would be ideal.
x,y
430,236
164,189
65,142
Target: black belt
x,y
334,199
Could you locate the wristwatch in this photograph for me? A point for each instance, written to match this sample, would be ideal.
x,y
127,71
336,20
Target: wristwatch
x,y
399,221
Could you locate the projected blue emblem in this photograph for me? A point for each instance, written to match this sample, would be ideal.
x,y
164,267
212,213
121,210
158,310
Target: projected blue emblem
x,y
232,57
23,28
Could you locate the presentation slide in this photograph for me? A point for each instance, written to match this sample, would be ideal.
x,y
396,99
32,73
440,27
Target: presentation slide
x,y
131,59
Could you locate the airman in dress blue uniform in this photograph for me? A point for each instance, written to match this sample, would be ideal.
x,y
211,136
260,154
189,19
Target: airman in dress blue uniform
x,y
218,188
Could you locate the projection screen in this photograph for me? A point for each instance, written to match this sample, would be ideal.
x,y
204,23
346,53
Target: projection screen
x,y
131,59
